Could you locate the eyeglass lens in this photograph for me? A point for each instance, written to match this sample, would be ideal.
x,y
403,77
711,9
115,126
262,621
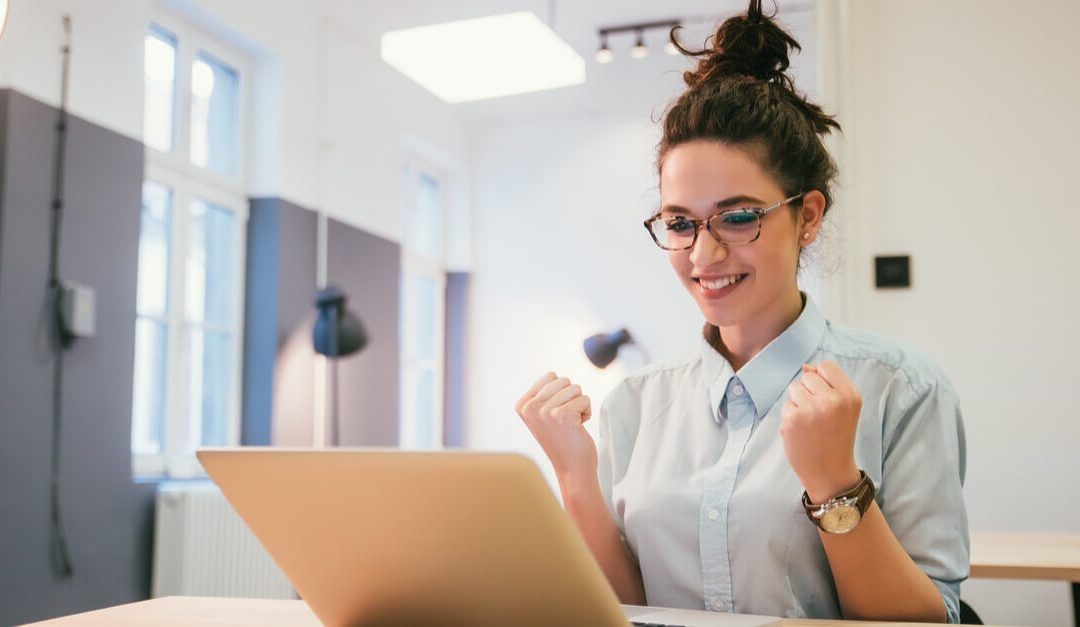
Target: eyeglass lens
x,y
739,226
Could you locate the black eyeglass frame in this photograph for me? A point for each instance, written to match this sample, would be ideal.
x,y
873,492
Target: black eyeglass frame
x,y
759,212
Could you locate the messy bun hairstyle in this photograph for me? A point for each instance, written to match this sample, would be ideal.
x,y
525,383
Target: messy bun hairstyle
x,y
740,94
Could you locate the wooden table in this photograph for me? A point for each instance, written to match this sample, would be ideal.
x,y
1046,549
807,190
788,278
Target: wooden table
x,y
1046,556
217,612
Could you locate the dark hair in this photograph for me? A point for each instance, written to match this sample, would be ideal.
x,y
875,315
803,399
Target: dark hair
x,y
740,94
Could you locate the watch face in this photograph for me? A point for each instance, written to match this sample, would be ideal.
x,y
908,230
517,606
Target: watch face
x,y
840,519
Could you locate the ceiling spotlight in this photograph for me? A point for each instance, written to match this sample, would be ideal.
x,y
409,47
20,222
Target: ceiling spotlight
x,y
640,50
604,54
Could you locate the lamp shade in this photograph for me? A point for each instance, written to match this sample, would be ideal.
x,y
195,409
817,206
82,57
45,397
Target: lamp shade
x,y
602,348
338,332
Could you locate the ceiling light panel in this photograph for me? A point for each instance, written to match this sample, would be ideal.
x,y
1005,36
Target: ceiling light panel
x,y
485,57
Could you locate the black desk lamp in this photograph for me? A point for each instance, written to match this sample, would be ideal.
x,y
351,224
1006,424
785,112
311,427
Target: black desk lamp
x,y
602,348
338,333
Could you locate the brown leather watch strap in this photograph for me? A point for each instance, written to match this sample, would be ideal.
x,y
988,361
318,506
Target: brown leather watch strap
x,y
863,492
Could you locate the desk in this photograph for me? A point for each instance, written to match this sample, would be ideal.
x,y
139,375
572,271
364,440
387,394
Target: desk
x,y
1048,556
215,612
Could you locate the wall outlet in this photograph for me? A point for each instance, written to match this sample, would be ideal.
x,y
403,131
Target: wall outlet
x,y
77,305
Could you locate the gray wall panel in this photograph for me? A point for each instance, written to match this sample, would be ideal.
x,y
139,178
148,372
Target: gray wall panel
x,y
278,359
106,515
368,269
455,385
260,319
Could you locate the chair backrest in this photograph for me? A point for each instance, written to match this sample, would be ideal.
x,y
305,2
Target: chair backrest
x,y
968,615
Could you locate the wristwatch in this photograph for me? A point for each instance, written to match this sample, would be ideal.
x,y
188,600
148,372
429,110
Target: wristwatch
x,y
843,512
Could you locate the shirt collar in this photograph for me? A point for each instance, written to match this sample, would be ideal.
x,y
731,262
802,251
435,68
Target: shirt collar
x,y
768,374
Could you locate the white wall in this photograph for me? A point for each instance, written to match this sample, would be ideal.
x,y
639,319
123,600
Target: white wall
x,y
560,254
962,131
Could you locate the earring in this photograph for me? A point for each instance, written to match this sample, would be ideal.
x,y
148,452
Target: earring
x,y
806,236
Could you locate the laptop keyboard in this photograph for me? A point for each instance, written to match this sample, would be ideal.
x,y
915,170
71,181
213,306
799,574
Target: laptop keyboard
x,y
640,624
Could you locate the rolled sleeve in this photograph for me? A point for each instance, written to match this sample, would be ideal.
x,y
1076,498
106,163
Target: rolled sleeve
x,y
922,475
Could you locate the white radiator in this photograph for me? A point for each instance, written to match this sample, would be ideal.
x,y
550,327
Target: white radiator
x,y
203,548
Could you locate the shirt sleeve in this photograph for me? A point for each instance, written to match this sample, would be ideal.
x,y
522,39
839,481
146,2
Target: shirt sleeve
x,y
615,424
922,475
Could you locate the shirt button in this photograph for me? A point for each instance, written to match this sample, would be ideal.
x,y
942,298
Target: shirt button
x,y
738,390
719,605
714,514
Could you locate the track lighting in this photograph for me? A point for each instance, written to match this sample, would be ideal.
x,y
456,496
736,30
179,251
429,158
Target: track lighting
x,y
604,54
639,50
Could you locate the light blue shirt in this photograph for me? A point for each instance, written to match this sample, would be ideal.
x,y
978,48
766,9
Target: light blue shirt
x,y
694,472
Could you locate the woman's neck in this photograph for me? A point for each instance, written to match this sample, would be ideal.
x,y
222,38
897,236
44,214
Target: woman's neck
x,y
741,343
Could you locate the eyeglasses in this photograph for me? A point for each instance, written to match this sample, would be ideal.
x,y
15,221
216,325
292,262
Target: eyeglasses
x,y
732,227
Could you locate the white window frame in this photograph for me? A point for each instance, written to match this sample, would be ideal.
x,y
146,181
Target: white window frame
x,y
188,183
414,265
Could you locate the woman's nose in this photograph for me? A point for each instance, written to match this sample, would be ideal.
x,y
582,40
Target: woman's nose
x,y
707,250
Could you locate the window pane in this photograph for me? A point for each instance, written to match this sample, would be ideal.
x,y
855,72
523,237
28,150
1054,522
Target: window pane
x,y
215,115
148,399
424,295
425,409
155,233
210,290
159,73
426,223
209,377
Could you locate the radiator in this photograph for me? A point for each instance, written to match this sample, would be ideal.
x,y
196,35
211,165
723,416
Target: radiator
x,y
203,548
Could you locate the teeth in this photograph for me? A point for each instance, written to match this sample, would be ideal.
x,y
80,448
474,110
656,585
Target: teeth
x,y
721,282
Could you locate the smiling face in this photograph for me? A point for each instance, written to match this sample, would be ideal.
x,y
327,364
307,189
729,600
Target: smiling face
x,y
748,291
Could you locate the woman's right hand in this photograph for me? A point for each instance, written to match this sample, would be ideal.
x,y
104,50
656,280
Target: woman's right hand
x,y
555,412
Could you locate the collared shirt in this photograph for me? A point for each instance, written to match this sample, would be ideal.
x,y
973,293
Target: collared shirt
x,y
694,472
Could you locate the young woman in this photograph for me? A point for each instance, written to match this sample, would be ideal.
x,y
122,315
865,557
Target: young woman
x,y
791,466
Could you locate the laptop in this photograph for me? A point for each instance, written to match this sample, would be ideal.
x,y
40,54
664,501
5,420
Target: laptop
x,y
391,537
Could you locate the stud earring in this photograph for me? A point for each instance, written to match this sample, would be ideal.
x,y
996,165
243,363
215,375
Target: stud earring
x,y
806,236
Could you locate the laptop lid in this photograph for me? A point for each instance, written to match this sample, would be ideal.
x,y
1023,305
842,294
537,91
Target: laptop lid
x,y
390,537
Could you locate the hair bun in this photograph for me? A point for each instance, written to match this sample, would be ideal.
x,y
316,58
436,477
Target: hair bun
x,y
744,45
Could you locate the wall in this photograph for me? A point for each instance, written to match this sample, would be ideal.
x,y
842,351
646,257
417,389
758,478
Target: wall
x,y
282,242
961,138
107,517
560,254
368,269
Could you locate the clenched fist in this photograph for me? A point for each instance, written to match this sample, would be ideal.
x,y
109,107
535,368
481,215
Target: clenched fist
x,y
555,412
818,429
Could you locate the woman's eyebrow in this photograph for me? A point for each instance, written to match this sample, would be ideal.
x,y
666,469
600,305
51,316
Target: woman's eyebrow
x,y
741,200
675,209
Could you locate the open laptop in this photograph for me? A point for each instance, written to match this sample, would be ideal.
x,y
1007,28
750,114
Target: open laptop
x,y
390,537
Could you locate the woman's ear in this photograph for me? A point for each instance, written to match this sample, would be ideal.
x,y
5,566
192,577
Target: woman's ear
x,y
811,214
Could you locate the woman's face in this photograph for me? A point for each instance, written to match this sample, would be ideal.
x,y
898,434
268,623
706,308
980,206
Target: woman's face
x,y
750,286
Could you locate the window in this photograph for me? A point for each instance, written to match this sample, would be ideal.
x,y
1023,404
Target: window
x,y
423,296
186,388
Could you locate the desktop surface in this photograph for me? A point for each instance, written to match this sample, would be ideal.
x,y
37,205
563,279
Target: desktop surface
x,y
221,612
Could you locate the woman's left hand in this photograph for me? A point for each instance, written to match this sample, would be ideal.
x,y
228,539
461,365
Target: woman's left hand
x,y
818,426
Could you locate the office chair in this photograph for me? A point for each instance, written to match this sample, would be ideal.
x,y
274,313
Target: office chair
x,y
968,615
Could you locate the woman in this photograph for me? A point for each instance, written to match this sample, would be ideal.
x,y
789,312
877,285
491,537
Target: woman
x,y
791,466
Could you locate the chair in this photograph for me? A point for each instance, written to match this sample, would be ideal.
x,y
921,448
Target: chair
x,y
968,615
